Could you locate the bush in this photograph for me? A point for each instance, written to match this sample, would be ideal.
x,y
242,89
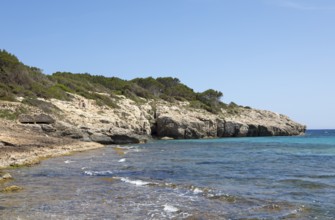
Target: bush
x,y
44,106
149,84
12,115
17,79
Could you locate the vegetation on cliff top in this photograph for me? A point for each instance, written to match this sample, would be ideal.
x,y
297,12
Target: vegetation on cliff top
x,y
18,79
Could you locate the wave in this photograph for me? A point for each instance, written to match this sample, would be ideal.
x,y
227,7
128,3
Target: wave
x,y
211,195
170,208
135,182
211,162
305,184
239,205
98,173
122,160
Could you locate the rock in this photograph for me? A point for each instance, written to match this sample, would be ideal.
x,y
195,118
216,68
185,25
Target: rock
x,y
86,138
7,176
48,128
102,139
33,127
11,189
265,131
125,139
36,119
127,136
220,126
207,127
104,121
168,127
253,130
231,129
26,119
5,143
135,123
166,138
189,125
193,133
44,119
71,132
243,130
77,135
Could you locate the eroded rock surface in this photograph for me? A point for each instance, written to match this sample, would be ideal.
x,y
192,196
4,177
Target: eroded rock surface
x,y
138,122
36,119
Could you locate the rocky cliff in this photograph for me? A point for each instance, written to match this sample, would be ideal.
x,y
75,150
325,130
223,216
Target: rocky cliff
x,y
131,122
110,110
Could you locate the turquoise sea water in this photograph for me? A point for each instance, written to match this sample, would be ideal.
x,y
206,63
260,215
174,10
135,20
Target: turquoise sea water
x,y
232,178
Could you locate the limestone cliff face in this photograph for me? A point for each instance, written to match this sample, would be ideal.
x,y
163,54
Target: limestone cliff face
x,y
160,119
183,123
132,122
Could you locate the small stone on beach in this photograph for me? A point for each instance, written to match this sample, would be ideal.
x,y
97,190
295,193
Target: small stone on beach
x,y
7,176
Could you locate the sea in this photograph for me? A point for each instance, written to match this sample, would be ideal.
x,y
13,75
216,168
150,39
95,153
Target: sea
x,y
228,178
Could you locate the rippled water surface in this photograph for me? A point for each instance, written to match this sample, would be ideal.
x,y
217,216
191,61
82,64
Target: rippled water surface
x,y
234,178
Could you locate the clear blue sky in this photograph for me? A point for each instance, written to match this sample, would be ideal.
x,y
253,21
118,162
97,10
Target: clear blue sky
x,y
268,54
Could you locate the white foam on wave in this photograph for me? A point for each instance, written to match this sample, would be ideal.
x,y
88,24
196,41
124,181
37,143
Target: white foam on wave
x,y
97,173
135,182
197,190
122,160
131,148
69,161
170,208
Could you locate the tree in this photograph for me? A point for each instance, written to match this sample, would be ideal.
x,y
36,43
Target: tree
x,y
150,84
168,82
210,97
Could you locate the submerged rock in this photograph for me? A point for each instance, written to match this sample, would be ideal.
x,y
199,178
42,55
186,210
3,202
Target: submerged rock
x,y
9,189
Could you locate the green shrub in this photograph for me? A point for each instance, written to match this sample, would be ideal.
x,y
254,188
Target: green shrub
x,y
12,115
44,106
17,79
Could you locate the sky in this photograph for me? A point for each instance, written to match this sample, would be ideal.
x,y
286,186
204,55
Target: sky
x,y
277,55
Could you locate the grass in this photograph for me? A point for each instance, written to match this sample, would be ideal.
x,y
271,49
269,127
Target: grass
x,y
12,115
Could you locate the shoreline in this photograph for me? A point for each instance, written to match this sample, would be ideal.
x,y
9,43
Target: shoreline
x,y
24,146
35,155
